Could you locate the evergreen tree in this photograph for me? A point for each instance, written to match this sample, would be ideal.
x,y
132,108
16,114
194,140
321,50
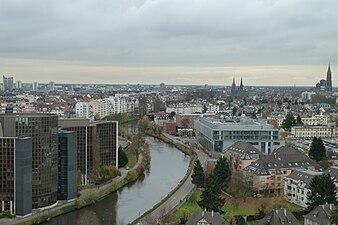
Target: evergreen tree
x,y
198,174
222,171
317,149
211,197
289,121
322,190
122,157
299,120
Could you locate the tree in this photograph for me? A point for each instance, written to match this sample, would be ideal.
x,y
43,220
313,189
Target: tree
x,y
184,216
211,197
105,173
122,157
317,149
322,190
234,111
172,115
232,220
289,121
198,174
144,124
222,171
299,120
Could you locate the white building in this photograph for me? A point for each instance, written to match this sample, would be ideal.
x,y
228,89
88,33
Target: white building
x,y
296,186
83,110
317,120
182,108
314,131
122,103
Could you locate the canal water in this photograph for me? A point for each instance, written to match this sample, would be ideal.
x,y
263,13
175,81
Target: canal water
x,y
167,167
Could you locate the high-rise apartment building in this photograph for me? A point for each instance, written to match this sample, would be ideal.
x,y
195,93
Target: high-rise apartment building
x,y
8,84
43,130
16,175
97,145
19,84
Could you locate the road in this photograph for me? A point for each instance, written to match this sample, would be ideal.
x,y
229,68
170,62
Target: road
x,y
180,195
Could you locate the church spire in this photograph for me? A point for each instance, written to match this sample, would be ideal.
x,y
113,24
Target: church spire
x,y
233,81
329,69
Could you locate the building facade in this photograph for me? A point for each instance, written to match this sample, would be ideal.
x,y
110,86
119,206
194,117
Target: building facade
x,y
266,175
43,129
314,131
97,145
218,135
16,175
296,186
8,84
67,189
83,110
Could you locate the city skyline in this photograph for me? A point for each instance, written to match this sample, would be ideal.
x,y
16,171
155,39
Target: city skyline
x,y
267,42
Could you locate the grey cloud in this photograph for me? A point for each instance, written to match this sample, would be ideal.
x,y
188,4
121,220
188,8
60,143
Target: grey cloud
x,y
171,32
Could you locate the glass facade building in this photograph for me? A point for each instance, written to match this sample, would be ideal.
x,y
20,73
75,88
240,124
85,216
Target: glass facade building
x,y
67,165
97,145
43,130
16,175
218,135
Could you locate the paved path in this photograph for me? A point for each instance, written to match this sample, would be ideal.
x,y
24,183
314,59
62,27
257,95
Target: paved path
x,y
181,194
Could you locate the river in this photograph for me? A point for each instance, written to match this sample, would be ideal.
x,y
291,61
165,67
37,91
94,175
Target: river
x,y
167,167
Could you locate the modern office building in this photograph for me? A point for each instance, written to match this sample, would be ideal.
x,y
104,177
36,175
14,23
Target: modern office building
x,y
43,129
67,165
97,144
16,175
218,134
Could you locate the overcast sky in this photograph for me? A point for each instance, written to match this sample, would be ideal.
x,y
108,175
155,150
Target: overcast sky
x,y
267,42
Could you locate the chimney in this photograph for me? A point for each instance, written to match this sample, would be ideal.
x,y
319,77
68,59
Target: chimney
x,y
212,213
284,211
331,208
202,213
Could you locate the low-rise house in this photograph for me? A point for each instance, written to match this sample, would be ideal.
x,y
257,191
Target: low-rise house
x,y
241,154
279,217
206,218
321,215
267,173
296,186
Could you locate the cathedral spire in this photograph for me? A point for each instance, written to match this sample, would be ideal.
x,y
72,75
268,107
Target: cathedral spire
x,y
329,69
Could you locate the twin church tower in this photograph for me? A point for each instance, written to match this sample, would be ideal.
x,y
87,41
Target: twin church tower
x,y
237,92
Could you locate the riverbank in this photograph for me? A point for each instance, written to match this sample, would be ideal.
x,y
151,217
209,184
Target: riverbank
x,y
89,196
166,206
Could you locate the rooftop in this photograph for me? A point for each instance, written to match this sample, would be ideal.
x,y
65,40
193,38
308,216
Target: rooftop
x,y
235,124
